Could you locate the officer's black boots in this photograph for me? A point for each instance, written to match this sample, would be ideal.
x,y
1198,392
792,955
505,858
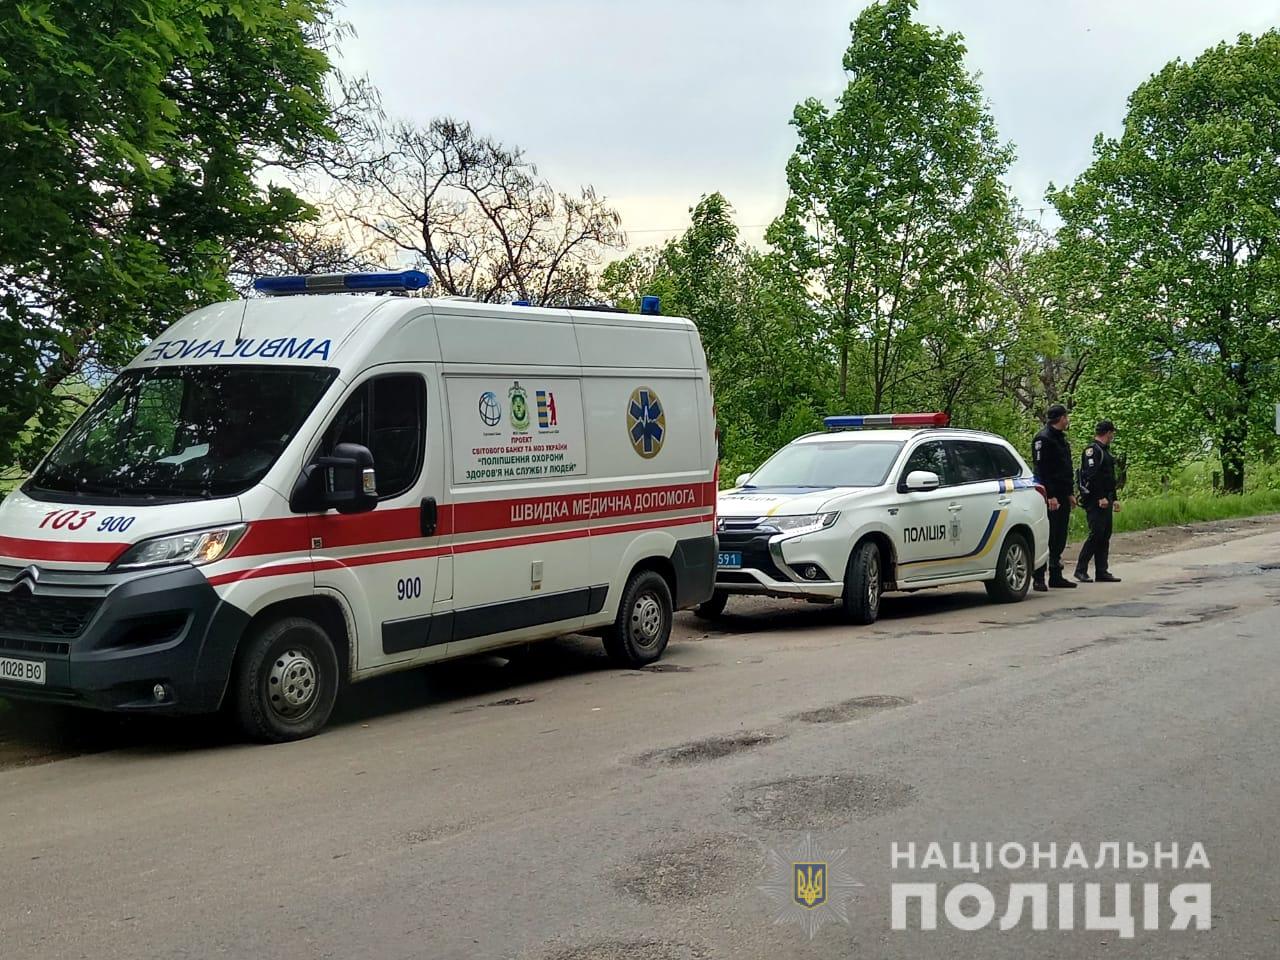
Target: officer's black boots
x,y
1083,576
1058,580
1108,578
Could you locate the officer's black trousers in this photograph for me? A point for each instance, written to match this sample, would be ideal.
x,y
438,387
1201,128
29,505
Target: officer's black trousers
x,y
1059,521
1098,546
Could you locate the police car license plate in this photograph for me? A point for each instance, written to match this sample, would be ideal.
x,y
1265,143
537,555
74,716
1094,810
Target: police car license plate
x,y
23,671
729,561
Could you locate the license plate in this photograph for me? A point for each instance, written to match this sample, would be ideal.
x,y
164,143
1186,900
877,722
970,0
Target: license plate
x,y
22,671
729,561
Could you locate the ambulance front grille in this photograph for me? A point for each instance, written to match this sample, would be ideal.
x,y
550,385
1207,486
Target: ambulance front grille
x,y
43,617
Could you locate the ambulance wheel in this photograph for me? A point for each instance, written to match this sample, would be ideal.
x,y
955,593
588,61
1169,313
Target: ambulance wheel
x,y
285,681
643,627
1013,571
863,584
712,608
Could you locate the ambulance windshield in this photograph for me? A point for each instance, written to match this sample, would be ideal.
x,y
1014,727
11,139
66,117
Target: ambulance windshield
x,y
839,463
182,432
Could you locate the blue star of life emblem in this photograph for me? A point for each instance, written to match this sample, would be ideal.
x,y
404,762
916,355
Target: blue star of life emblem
x,y
646,422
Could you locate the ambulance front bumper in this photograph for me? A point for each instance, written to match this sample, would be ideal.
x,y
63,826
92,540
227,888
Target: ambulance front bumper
x,y
153,641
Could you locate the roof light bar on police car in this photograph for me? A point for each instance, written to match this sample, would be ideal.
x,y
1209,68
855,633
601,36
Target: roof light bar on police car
x,y
343,283
868,420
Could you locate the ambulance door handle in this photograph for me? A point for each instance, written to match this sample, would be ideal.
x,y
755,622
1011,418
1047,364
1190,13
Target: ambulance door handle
x,y
954,507
429,518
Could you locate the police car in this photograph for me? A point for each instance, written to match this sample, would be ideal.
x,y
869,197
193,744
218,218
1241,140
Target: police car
x,y
844,515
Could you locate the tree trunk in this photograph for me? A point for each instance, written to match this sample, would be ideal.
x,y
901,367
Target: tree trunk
x,y
1231,452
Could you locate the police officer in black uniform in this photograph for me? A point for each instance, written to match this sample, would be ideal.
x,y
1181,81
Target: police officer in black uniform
x,y
1098,497
1052,462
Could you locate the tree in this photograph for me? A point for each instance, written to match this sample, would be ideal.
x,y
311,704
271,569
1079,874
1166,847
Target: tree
x,y
1177,221
771,370
476,215
896,209
132,135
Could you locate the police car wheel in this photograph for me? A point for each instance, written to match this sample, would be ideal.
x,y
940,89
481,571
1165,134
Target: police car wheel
x,y
643,626
713,607
285,681
1013,571
863,584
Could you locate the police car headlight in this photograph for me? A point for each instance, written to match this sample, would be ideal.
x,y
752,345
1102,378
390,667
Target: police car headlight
x,y
803,524
196,548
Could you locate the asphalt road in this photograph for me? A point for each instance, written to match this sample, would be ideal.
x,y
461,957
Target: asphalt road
x,y
566,810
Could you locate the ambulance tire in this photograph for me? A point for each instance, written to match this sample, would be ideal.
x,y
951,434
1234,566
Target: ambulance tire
x,y
1013,571
863,584
643,627
711,609
285,681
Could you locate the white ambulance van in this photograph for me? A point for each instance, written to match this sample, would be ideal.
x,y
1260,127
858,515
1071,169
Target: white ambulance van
x,y
282,495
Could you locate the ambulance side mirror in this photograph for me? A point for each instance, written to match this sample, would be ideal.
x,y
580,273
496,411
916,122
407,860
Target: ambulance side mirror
x,y
923,480
344,481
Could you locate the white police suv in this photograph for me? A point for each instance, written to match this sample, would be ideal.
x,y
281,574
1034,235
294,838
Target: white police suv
x,y
847,514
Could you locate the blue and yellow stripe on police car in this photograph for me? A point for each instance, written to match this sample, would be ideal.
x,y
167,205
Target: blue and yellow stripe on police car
x,y
990,537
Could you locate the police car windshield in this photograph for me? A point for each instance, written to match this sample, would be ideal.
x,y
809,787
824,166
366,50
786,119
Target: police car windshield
x,y
182,432
837,463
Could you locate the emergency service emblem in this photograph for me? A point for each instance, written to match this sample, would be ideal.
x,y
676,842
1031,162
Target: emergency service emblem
x,y
810,886
646,422
519,406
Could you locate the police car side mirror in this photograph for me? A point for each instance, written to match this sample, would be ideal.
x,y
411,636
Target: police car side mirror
x,y
922,480
742,478
344,481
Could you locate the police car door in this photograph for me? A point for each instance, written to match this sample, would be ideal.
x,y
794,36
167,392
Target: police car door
x,y
983,506
927,519
384,563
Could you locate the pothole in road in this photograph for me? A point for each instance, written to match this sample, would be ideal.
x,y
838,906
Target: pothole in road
x,y
1134,609
853,709
705,867
821,802
631,950
508,702
666,668
700,751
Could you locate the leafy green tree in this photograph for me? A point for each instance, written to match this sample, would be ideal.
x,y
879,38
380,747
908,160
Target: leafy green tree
x,y
1176,224
133,136
771,371
897,211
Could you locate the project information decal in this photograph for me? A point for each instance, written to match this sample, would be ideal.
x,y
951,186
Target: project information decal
x,y
509,428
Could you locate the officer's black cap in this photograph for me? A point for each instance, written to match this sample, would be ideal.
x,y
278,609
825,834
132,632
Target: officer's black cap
x,y
1104,426
1055,413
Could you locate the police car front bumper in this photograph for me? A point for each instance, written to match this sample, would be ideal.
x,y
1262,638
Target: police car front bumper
x,y
114,641
777,565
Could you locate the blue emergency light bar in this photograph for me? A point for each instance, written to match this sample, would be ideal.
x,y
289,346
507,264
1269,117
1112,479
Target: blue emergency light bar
x,y
864,420
651,306
343,283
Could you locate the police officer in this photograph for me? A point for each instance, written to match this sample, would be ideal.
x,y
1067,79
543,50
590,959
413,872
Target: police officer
x,y
1051,460
1098,496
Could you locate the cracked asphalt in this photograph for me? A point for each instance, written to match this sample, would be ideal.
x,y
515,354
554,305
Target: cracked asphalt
x,y
562,809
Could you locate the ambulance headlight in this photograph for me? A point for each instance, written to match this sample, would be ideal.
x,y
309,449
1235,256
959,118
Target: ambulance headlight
x,y
197,547
810,523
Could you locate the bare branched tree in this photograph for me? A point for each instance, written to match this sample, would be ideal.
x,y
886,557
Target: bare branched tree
x,y
475,214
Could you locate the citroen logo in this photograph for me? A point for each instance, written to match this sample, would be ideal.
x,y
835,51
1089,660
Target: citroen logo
x,y
27,578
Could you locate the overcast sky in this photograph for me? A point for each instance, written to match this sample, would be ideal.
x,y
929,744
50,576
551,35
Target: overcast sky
x,y
656,102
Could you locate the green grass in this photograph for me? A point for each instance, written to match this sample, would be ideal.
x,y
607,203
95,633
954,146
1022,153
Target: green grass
x,y
1175,509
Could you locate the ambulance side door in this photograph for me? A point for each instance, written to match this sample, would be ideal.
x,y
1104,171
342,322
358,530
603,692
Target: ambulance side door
x,y
926,519
385,562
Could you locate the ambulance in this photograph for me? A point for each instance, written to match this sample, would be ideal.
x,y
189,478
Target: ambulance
x,y
877,502
286,494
